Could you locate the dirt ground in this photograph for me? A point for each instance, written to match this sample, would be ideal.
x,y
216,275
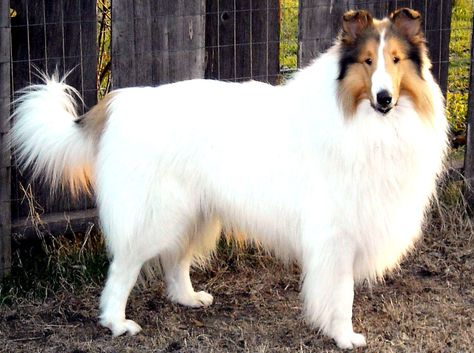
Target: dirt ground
x,y
425,306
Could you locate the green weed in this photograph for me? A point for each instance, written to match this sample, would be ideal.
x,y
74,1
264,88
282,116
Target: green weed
x,y
459,63
289,35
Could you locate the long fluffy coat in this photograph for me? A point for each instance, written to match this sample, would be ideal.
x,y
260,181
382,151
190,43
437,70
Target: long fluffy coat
x,y
345,197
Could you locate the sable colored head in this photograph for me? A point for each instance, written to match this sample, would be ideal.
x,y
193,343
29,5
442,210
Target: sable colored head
x,y
380,60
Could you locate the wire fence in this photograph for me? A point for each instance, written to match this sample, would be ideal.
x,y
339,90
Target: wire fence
x,y
111,44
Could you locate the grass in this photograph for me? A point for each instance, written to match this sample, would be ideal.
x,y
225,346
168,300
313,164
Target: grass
x,y
42,268
459,62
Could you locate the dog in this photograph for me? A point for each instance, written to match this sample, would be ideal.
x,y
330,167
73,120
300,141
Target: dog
x,y
334,169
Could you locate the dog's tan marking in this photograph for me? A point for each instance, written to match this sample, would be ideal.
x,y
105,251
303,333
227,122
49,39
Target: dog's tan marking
x,y
94,120
356,85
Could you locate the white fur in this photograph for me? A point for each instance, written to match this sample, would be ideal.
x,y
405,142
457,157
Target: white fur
x,y
381,79
345,197
44,125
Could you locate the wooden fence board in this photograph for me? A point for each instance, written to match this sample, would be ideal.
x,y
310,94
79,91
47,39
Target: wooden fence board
x,y
167,46
143,43
123,48
221,26
320,22
182,40
56,223
80,46
242,40
265,40
5,158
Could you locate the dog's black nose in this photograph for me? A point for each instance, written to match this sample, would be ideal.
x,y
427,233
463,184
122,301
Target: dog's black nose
x,y
384,98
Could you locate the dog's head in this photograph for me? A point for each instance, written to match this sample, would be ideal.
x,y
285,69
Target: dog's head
x,y
380,60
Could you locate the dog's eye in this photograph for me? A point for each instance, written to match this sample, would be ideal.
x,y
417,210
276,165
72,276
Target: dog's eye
x,y
396,59
368,61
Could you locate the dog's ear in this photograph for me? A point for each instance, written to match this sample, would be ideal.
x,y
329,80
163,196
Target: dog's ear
x,y
407,22
354,23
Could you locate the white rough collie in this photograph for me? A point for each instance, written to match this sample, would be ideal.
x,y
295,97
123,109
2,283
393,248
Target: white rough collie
x,y
335,169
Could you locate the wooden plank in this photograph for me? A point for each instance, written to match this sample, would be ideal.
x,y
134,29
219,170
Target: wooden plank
x,y
265,44
122,46
143,43
242,40
244,50
179,47
156,42
469,155
80,27
220,31
56,223
319,24
5,157
212,69
378,9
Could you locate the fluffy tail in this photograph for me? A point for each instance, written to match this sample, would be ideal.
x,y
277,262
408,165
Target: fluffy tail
x,y
47,138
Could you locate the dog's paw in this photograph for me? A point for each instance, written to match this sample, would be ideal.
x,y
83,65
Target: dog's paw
x,y
196,299
350,340
203,298
120,327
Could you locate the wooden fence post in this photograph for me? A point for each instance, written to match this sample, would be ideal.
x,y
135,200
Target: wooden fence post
x,y
320,21
242,40
157,41
469,156
5,158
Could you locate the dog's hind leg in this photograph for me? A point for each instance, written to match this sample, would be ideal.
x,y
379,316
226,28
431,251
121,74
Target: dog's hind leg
x,y
131,244
123,273
178,282
127,233
176,265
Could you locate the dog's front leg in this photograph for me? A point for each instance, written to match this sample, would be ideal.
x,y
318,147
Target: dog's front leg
x,y
328,288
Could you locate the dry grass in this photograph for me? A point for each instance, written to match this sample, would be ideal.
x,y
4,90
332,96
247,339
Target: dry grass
x,y
426,306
